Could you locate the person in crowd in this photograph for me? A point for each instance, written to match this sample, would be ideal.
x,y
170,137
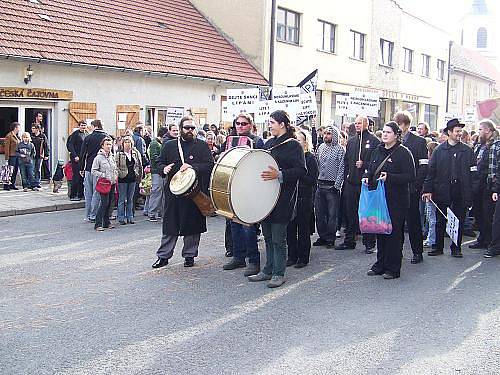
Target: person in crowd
x,y
104,166
212,144
290,157
90,147
378,134
494,178
418,148
42,152
181,216
341,217
129,163
138,137
25,151
244,237
442,138
220,139
449,183
331,165
148,130
11,141
266,135
392,163
358,153
298,236
155,198
430,210
74,145
424,130
214,129
483,205
317,135
201,135
45,168
465,138
173,133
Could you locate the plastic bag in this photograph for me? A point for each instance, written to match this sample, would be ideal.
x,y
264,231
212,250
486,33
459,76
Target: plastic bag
x,y
373,212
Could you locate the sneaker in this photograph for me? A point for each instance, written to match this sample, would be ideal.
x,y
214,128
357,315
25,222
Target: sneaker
x,y
153,219
345,246
252,269
276,281
338,234
99,229
369,250
261,276
389,276
427,244
234,264
372,273
25,189
74,199
490,254
435,252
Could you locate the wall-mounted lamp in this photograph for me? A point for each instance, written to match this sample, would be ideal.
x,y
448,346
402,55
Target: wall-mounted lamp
x,y
28,74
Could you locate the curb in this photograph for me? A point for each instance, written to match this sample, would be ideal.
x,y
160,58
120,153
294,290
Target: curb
x,y
37,210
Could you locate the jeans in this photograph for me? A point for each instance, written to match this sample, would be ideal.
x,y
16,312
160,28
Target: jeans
x,y
38,171
327,206
245,243
92,197
26,170
125,200
103,212
276,248
430,211
155,199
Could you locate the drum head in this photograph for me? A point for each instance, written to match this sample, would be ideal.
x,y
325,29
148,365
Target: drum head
x,y
253,199
182,181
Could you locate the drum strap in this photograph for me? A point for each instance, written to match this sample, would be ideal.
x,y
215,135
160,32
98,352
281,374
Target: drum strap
x,y
181,153
281,144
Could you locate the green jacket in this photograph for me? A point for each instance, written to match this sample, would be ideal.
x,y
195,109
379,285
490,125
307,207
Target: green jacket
x,y
154,152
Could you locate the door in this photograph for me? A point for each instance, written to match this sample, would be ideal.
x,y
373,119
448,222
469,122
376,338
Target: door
x,y
43,117
200,116
80,112
127,117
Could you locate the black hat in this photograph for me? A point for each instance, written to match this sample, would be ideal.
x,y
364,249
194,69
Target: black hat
x,y
453,123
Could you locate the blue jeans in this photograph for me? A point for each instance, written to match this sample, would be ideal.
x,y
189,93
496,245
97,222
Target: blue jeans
x,y
38,171
126,200
326,205
92,197
430,211
245,243
27,175
276,248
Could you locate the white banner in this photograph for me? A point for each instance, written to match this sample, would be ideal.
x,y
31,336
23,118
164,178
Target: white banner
x,y
470,116
174,115
242,100
452,225
287,99
226,117
308,106
263,111
341,105
363,103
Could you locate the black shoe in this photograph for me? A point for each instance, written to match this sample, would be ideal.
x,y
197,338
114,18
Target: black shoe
x,y
490,254
345,246
160,262
417,258
130,222
6,187
330,244
319,242
252,269
233,264
300,265
477,245
435,252
469,233
12,187
457,254
189,262
290,262
369,250
390,276
373,273
228,254
74,199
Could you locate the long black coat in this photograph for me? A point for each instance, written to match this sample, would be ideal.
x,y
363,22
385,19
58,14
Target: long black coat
x,y
291,162
418,148
181,216
369,143
440,168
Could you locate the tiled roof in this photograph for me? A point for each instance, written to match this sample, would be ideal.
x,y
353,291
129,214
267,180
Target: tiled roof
x,y
124,34
474,63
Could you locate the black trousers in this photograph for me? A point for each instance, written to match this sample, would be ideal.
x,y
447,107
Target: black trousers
x,y
484,208
390,247
415,225
494,245
352,193
457,205
228,239
299,232
105,206
76,182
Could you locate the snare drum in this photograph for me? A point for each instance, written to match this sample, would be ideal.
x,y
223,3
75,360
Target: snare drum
x,y
185,183
237,189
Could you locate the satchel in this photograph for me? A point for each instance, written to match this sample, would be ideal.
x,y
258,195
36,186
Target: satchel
x,y
103,185
6,173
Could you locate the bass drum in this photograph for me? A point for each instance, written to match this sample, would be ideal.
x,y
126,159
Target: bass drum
x,y
237,189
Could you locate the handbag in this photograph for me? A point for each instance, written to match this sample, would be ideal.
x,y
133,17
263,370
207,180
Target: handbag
x,y
6,173
373,211
103,185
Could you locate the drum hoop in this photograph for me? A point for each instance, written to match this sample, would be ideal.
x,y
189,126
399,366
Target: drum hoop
x,y
195,182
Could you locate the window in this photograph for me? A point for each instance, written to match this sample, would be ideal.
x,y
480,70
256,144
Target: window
x,y
408,63
358,51
328,39
426,64
482,38
386,49
288,23
431,115
440,69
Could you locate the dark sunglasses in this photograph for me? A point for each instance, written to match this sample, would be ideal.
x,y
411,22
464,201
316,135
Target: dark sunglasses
x,y
242,123
188,127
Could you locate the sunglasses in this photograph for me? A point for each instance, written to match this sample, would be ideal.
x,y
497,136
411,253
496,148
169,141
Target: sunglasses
x,y
187,127
242,123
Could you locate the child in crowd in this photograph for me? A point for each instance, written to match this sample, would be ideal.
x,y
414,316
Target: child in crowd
x,y
26,153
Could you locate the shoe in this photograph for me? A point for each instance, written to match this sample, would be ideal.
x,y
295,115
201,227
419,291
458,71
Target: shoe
x,y
369,250
338,234
435,252
252,269
477,245
121,222
276,281
234,264
25,189
469,233
345,246
319,242
290,262
6,187
130,221
228,254
330,244
12,187
261,276
160,262
92,220
389,276
372,273
112,217
300,265
153,219
427,244
417,258
99,229
74,199
35,189
489,254
457,254
111,226
189,262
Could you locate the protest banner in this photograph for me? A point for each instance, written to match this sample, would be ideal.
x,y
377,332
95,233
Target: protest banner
x,y
341,105
363,102
263,111
242,100
174,115
286,99
308,106
452,225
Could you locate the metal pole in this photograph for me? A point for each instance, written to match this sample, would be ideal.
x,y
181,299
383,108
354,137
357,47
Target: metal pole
x,y
449,72
272,41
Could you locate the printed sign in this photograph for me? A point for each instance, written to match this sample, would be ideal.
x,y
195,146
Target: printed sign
x,y
174,115
452,225
242,100
308,106
341,105
287,99
363,102
226,116
263,111
470,115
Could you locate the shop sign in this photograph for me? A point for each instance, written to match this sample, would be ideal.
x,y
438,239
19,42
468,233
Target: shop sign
x,y
19,93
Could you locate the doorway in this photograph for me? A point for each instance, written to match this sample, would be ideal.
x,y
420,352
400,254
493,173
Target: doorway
x,y
8,115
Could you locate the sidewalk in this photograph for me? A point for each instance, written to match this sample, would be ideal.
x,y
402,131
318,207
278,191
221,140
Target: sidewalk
x,y
17,202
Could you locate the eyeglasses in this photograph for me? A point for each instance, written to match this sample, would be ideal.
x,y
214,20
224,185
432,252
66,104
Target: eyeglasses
x,y
187,127
242,123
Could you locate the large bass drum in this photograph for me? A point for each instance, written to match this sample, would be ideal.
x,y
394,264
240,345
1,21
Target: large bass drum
x,y
237,189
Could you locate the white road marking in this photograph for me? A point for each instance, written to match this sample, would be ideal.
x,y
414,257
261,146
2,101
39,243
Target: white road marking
x,y
463,276
32,235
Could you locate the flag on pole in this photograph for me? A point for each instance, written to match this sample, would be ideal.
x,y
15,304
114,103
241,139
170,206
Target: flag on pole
x,y
307,85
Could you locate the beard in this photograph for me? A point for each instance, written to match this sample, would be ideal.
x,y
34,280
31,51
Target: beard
x,y
188,137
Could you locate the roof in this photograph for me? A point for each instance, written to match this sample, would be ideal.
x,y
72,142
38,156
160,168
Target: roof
x,y
473,63
161,36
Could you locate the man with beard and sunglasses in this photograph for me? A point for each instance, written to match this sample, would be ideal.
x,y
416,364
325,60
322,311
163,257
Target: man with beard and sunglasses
x,y
181,215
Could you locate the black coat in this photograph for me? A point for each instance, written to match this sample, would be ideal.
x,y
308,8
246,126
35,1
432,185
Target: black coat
x,y
308,182
291,163
74,144
41,144
181,216
438,181
418,148
90,147
370,142
400,171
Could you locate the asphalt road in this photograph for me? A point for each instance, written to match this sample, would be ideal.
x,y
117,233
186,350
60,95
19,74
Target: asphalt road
x,y
73,301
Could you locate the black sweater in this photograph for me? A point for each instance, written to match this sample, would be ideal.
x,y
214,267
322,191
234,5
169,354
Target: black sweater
x,y
308,182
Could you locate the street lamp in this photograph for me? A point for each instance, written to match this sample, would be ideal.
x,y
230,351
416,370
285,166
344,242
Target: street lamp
x,y
28,74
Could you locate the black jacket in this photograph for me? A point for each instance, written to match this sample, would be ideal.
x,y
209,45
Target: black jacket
x,y
291,162
74,144
418,148
370,142
400,171
438,181
90,148
41,144
480,177
310,179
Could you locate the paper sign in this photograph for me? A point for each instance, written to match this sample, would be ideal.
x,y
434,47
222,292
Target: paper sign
x,y
174,115
226,117
242,100
122,125
203,121
452,226
308,106
263,111
287,99
122,117
341,105
88,121
470,115
448,116
364,103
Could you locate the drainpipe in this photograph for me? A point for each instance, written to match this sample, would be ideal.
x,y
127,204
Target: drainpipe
x,y
272,41
449,72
